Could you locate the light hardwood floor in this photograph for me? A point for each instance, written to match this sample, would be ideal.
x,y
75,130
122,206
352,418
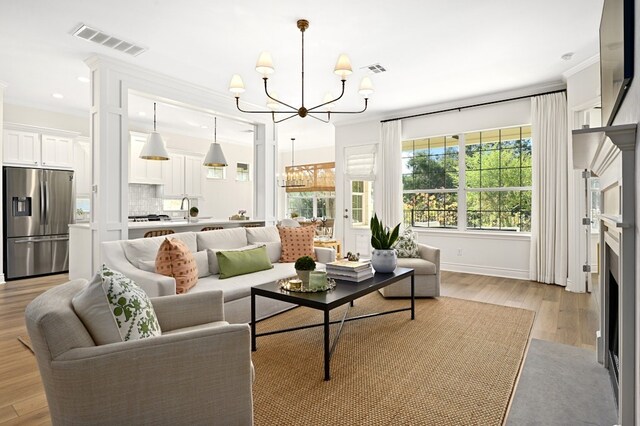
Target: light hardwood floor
x,y
561,316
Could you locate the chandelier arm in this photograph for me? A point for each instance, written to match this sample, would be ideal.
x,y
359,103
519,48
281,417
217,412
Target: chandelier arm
x,y
262,112
318,118
285,119
274,99
334,100
347,112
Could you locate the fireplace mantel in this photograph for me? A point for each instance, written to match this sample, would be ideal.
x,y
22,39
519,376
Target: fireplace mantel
x,y
609,153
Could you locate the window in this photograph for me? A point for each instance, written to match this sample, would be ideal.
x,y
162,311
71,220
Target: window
x,y
594,186
496,170
83,208
361,203
216,173
175,205
242,172
430,179
311,204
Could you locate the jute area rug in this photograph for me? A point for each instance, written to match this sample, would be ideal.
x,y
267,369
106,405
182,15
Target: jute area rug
x,y
455,364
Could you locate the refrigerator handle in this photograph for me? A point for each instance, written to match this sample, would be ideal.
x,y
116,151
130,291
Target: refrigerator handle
x,y
46,197
42,203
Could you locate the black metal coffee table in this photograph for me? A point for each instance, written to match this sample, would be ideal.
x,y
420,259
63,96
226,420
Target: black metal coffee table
x,y
345,292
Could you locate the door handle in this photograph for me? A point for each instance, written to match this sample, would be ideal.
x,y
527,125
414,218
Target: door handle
x,y
46,187
346,216
60,239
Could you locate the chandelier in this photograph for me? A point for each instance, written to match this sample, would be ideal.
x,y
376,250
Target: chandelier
x,y
293,178
264,66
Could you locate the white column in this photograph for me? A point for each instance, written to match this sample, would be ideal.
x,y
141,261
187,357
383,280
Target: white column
x,y
264,186
110,145
2,87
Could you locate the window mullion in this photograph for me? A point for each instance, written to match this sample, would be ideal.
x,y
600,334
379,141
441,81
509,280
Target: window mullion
x,y
462,184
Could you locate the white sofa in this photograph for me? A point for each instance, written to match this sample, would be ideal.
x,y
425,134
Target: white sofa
x,y
132,257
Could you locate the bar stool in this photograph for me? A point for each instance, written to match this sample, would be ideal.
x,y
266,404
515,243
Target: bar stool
x,y
158,233
211,228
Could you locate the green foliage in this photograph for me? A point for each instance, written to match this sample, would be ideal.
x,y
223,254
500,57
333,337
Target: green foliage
x,y
305,263
382,238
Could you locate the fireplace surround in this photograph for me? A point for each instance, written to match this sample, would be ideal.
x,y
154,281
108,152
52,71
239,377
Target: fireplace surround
x,y
609,153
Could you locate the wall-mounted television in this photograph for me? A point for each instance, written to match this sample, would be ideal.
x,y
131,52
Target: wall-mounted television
x,y
616,55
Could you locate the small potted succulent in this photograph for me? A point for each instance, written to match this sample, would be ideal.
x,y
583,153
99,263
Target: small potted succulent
x,y
304,265
193,212
384,258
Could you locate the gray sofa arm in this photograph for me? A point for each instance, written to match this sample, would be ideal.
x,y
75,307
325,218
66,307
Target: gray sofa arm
x,y
325,254
186,310
153,284
431,254
201,377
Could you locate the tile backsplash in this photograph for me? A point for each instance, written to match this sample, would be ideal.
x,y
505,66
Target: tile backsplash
x,y
144,199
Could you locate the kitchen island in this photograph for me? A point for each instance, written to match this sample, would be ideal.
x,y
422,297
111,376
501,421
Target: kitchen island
x,y
80,237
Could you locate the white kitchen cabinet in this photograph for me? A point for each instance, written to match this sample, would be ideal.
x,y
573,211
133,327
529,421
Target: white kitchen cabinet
x,y
21,148
173,175
193,175
82,166
57,151
183,175
141,170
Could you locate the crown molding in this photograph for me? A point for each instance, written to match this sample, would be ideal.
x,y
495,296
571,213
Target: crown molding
x,y
581,66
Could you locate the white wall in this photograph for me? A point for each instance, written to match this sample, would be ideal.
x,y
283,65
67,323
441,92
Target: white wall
x,y
304,156
221,198
483,253
630,113
44,118
2,112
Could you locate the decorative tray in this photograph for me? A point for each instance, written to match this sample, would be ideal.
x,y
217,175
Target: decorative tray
x,y
284,285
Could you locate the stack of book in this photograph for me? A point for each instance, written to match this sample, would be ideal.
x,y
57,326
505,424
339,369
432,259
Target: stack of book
x,y
350,271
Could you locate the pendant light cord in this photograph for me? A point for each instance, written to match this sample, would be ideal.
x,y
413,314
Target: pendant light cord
x,y
154,116
215,129
292,162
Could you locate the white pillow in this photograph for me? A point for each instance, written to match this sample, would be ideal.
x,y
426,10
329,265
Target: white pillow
x,y
263,234
201,258
274,250
114,309
213,259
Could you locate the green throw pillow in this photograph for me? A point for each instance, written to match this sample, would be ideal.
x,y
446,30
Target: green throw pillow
x,y
407,244
232,263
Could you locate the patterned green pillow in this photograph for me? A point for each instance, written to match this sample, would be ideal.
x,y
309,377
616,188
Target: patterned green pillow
x,y
407,244
114,309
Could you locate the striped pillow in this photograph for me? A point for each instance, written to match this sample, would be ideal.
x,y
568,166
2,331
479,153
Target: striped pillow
x,y
174,259
297,242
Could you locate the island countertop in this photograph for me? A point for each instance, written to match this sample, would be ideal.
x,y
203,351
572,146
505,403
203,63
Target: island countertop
x,y
179,223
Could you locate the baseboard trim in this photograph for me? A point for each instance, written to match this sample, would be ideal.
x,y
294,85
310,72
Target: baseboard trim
x,y
518,274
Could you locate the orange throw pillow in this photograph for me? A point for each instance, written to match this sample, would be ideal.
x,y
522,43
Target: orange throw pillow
x,y
297,242
174,259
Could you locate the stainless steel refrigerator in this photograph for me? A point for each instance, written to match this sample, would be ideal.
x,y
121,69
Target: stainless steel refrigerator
x,y
38,208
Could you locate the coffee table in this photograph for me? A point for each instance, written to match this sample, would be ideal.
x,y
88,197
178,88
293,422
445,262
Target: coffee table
x,y
345,292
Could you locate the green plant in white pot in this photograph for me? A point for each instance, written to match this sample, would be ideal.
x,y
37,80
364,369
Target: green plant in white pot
x,y
383,257
304,265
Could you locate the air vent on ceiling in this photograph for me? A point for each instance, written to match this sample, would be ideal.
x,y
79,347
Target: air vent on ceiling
x,y
91,34
375,68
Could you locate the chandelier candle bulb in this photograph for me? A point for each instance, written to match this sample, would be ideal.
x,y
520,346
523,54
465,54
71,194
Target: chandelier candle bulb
x,y
264,65
236,86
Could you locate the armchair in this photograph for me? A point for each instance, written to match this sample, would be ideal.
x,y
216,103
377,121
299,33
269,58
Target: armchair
x,y
427,275
198,372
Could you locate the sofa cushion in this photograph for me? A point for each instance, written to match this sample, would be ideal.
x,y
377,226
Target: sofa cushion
x,y
274,250
222,239
201,258
175,260
114,309
263,234
234,262
213,259
407,244
420,266
240,286
147,248
297,242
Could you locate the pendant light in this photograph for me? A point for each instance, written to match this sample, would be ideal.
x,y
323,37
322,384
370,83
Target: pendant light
x,y
215,157
154,148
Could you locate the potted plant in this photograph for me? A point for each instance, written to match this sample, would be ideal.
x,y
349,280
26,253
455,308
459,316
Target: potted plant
x,y
383,258
193,212
304,265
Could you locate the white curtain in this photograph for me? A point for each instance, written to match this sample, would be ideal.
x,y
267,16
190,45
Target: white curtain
x,y
390,174
548,262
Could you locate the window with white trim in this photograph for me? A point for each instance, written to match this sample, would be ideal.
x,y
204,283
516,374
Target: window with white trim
x,y
216,172
242,172
494,167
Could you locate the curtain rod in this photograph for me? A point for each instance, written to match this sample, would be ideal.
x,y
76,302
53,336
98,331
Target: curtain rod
x,y
472,106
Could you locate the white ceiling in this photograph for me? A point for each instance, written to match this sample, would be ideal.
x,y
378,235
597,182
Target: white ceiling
x,y
435,51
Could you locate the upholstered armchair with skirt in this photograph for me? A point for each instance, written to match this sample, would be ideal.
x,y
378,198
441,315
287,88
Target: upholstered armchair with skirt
x,y
198,372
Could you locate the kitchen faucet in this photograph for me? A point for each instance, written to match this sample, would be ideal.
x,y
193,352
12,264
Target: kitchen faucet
x,y
186,216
